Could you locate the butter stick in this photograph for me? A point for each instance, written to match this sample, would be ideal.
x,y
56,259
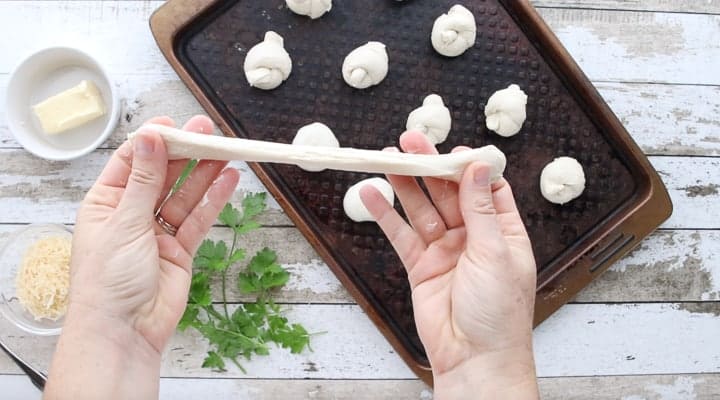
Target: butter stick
x,y
70,109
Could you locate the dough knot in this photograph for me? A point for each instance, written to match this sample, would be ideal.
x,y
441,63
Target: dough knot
x,y
366,66
433,119
506,112
312,8
454,32
268,64
562,181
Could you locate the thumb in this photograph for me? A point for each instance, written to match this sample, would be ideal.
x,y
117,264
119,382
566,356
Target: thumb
x,y
478,212
147,177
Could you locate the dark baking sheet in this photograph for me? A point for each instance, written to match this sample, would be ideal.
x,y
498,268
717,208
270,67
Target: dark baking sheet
x,y
213,49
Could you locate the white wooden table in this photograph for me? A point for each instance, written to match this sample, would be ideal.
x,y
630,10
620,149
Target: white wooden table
x,y
648,329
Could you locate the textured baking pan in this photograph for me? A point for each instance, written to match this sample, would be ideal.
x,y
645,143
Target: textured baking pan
x,y
206,42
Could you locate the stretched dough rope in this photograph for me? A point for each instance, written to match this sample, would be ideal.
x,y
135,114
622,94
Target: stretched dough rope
x,y
181,145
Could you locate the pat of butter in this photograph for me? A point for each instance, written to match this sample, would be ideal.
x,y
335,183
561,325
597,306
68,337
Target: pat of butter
x,y
71,108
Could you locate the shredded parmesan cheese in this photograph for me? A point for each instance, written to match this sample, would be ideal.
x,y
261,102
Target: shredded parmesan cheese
x,y
43,280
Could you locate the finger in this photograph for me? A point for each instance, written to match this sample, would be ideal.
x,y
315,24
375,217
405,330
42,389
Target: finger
x,y
117,170
479,213
196,226
171,251
407,243
511,224
444,253
444,194
181,203
149,167
421,213
199,124
164,120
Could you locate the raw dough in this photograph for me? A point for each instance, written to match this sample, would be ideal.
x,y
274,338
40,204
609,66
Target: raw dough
x,y
267,64
366,66
316,134
183,145
454,32
312,8
433,119
506,112
562,181
353,205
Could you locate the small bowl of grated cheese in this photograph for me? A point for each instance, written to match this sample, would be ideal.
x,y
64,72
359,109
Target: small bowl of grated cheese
x,y
35,278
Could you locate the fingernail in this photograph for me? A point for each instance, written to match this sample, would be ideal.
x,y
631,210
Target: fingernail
x,y
143,145
482,176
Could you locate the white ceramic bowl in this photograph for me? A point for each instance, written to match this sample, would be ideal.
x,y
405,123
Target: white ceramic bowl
x,y
11,255
44,74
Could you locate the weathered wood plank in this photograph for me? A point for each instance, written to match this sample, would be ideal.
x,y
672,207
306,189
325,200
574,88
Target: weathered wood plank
x,y
640,46
658,387
589,340
52,191
676,387
636,46
18,387
695,196
663,119
38,190
579,340
96,27
668,119
670,266
681,6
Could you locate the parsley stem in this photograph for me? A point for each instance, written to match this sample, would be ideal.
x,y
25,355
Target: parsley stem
x,y
212,312
224,274
240,335
189,167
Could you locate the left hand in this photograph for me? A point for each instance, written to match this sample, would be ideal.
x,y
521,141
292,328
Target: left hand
x,y
124,265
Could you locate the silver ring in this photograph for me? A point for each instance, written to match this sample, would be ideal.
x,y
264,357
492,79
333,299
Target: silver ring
x,y
169,228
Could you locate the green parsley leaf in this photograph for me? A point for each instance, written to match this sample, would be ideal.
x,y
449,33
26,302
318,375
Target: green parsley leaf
x,y
237,255
247,227
230,216
264,273
297,339
253,205
263,260
248,283
214,361
200,292
211,256
274,280
189,317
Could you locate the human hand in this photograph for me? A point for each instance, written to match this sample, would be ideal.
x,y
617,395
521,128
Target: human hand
x,y
129,277
472,273
124,264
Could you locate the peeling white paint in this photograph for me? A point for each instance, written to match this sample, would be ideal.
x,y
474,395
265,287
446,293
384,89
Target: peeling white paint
x,y
682,389
610,52
314,276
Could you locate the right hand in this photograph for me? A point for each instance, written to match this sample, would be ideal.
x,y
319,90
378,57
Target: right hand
x,y
472,273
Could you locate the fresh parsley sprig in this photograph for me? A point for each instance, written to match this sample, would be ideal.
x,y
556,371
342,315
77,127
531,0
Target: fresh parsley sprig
x,y
252,326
